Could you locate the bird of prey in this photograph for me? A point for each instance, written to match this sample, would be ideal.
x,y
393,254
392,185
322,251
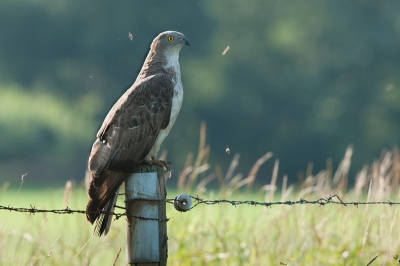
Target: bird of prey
x,y
135,127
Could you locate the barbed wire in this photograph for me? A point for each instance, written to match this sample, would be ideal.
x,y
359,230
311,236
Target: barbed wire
x,y
321,202
199,201
33,210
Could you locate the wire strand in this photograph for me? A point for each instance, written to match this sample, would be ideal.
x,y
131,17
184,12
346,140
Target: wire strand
x,y
199,201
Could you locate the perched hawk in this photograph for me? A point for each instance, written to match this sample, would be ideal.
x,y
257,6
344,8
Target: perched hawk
x,y
136,126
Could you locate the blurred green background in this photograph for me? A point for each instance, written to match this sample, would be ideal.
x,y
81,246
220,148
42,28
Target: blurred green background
x,y
303,79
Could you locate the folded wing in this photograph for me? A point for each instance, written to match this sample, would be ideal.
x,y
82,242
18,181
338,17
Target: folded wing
x,y
126,137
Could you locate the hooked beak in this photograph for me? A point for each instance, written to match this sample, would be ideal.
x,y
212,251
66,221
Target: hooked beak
x,y
186,41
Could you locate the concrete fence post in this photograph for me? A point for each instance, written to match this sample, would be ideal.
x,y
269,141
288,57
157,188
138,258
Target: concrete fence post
x,y
146,240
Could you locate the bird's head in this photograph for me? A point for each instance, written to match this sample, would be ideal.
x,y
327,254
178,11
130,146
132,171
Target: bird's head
x,y
169,41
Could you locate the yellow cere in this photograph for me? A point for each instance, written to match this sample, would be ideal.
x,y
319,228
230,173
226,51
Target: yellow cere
x,y
170,38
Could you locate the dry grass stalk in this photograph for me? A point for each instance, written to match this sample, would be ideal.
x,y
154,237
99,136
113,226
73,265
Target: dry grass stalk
x,y
65,252
10,231
324,220
361,178
220,178
202,142
4,187
19,257
306,191
266,188
232,167
79,251
51,250
243,182
321,184
115,261
284,185
254,170
203,153
67,193
365,237
270,197
201,187
201,169
368,197
41,233
329,170
308,182
183,175
286,191
195,173
389,236
314,230
340,178
45,218
86,259
232,185
186,170
12,257
309,170
22,181
23,255
365,215
30,238
396,166
300,177
375,177
383,176
206,154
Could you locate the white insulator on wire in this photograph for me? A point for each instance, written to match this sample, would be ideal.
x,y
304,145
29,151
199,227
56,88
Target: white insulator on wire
x,y
182,202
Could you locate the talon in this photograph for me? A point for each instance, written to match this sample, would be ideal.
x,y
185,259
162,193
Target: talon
x,y
165,164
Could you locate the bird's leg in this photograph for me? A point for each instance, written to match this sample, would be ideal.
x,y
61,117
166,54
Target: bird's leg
x,y
162,163
146,162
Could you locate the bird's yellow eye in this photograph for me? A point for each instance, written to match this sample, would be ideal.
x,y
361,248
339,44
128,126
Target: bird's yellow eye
x,y
170,38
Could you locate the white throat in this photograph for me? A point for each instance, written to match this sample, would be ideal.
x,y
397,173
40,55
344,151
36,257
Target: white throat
x,y
172,56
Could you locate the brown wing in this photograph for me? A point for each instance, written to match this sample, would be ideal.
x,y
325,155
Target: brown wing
x,y
127,135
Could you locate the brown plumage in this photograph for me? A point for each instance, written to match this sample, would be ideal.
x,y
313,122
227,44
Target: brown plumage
x,y
135,126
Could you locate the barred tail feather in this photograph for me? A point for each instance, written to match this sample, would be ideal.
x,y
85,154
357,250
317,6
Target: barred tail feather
x,y
103,193
103,223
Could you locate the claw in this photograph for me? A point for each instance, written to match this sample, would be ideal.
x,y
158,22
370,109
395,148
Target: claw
x,y
164,164
167,165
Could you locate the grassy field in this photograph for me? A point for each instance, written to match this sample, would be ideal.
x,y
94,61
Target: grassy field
x,y
223,234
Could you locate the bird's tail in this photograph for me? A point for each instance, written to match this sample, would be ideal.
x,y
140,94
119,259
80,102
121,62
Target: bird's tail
x,y
103,193
104,221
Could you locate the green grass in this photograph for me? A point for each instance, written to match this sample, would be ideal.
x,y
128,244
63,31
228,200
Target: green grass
x,y
223,234
208,235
